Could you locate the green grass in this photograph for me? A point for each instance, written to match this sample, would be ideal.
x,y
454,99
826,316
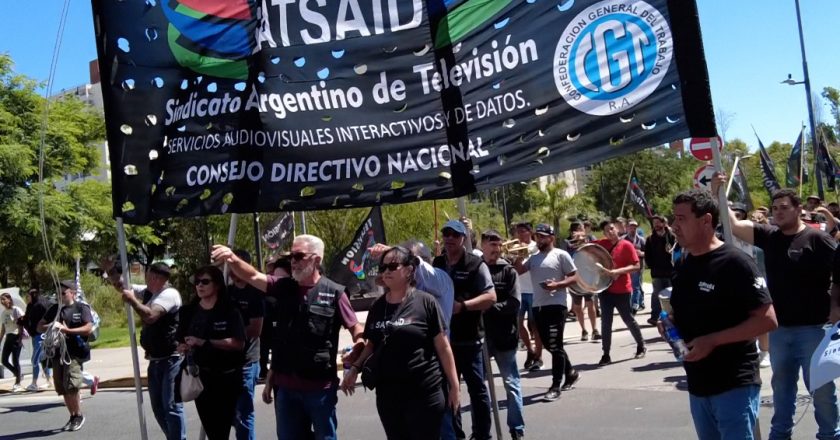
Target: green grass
x,y
113,337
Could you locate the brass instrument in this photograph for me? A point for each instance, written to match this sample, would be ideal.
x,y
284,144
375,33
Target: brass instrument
x,y
513,250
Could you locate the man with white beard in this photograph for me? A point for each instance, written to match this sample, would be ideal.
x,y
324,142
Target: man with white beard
x,y
311,311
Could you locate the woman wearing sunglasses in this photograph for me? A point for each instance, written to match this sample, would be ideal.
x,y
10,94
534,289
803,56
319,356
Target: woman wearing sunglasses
x,y
405,327
212,335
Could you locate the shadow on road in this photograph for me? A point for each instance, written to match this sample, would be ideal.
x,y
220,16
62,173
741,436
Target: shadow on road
x,y
34,408
653,366
678,381
31,434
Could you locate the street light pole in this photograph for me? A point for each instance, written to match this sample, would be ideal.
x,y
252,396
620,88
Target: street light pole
x,y
810,102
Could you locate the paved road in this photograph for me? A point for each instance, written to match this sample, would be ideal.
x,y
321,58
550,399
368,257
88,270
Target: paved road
x,y
631,398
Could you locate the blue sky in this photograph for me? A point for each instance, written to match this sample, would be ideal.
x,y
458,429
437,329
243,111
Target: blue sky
x,y
751,45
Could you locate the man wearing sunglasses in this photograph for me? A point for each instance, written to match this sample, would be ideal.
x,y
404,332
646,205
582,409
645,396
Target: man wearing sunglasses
x,y
158,304
75,323
311,311
474,293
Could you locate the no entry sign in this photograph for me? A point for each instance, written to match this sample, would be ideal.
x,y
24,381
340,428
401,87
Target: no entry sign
x,y
701,148
703,177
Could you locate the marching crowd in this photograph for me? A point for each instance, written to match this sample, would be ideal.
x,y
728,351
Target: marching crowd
x,y
440,313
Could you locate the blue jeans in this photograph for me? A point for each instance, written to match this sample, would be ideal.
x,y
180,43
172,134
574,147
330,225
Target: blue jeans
x,y
244,421
291,407
506,361
469,361
637,300
790,350
168,413
36,361
730,415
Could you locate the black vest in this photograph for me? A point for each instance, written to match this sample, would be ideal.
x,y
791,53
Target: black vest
x,y
306,343
159,339
465,327
502,329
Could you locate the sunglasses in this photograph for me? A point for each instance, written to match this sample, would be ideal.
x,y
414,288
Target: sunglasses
x,y
203,281
450,233
299,255
389,266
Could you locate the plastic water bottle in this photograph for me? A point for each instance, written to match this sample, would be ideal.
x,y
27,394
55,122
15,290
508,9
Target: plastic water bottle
x,y
672,335
346,351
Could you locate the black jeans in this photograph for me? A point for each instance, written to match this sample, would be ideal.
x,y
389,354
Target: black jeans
x,y
11,348
620,301
216,405
469,362
551,322
414,415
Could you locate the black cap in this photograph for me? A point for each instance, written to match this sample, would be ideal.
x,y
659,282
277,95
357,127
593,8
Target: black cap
x,y
814,197
491,235
543,228
68,284
738,206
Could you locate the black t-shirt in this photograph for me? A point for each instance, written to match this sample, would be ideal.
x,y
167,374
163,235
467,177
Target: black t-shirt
x,y
221,322
251,306
713,292
73,316
35,311
408,358
798,273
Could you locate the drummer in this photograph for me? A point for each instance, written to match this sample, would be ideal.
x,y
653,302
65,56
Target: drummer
x,y
552,271
617,296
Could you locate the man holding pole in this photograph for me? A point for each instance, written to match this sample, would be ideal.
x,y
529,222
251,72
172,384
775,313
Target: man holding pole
x,y
474,293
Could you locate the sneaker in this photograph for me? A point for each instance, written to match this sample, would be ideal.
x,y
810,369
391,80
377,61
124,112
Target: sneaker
x,y
605,360
552,394
584,336
16,388
596,335
33,387
93,388
47,385
641,351
571,380
764,359
77,423
529,362
652,321
642,306
517,435
69,423
538,363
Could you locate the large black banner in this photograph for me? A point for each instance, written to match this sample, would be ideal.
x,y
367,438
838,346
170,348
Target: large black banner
x,y
354,268
637,195
280,232
217,106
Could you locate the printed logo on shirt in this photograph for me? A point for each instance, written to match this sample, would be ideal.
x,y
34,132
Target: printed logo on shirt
x,y
760,283
705,287
382,325
220,326
325,298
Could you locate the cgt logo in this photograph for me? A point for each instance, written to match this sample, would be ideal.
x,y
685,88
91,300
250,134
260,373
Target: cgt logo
x,y
212,37
612,56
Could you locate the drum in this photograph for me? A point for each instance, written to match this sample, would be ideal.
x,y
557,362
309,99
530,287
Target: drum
x,y
591,260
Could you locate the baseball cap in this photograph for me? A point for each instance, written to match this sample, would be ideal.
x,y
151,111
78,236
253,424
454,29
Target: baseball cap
x,y
632,222
456,226
543,228
738,206
814,198
161,269
491,235
68,284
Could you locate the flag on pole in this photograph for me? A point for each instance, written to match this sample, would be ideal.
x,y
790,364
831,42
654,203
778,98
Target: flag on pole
x,y
742,191
638,197
280,232
829,166
794,164
768,169
354,268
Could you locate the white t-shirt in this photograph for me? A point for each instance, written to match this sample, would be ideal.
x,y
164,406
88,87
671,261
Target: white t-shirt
x,y
555,264
8,319
525,284
169,299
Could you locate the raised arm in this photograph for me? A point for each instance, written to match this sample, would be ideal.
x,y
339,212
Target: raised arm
x,y
243,270
741,229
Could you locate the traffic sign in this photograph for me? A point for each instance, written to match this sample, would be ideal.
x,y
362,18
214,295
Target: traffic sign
x,y
701,148
703,177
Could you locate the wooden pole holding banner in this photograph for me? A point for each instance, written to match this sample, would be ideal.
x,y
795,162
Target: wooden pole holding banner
x,y
488,367
627,189
132,334
722,200
257,243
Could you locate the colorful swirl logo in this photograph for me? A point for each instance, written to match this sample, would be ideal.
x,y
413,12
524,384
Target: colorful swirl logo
x,y
212,37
